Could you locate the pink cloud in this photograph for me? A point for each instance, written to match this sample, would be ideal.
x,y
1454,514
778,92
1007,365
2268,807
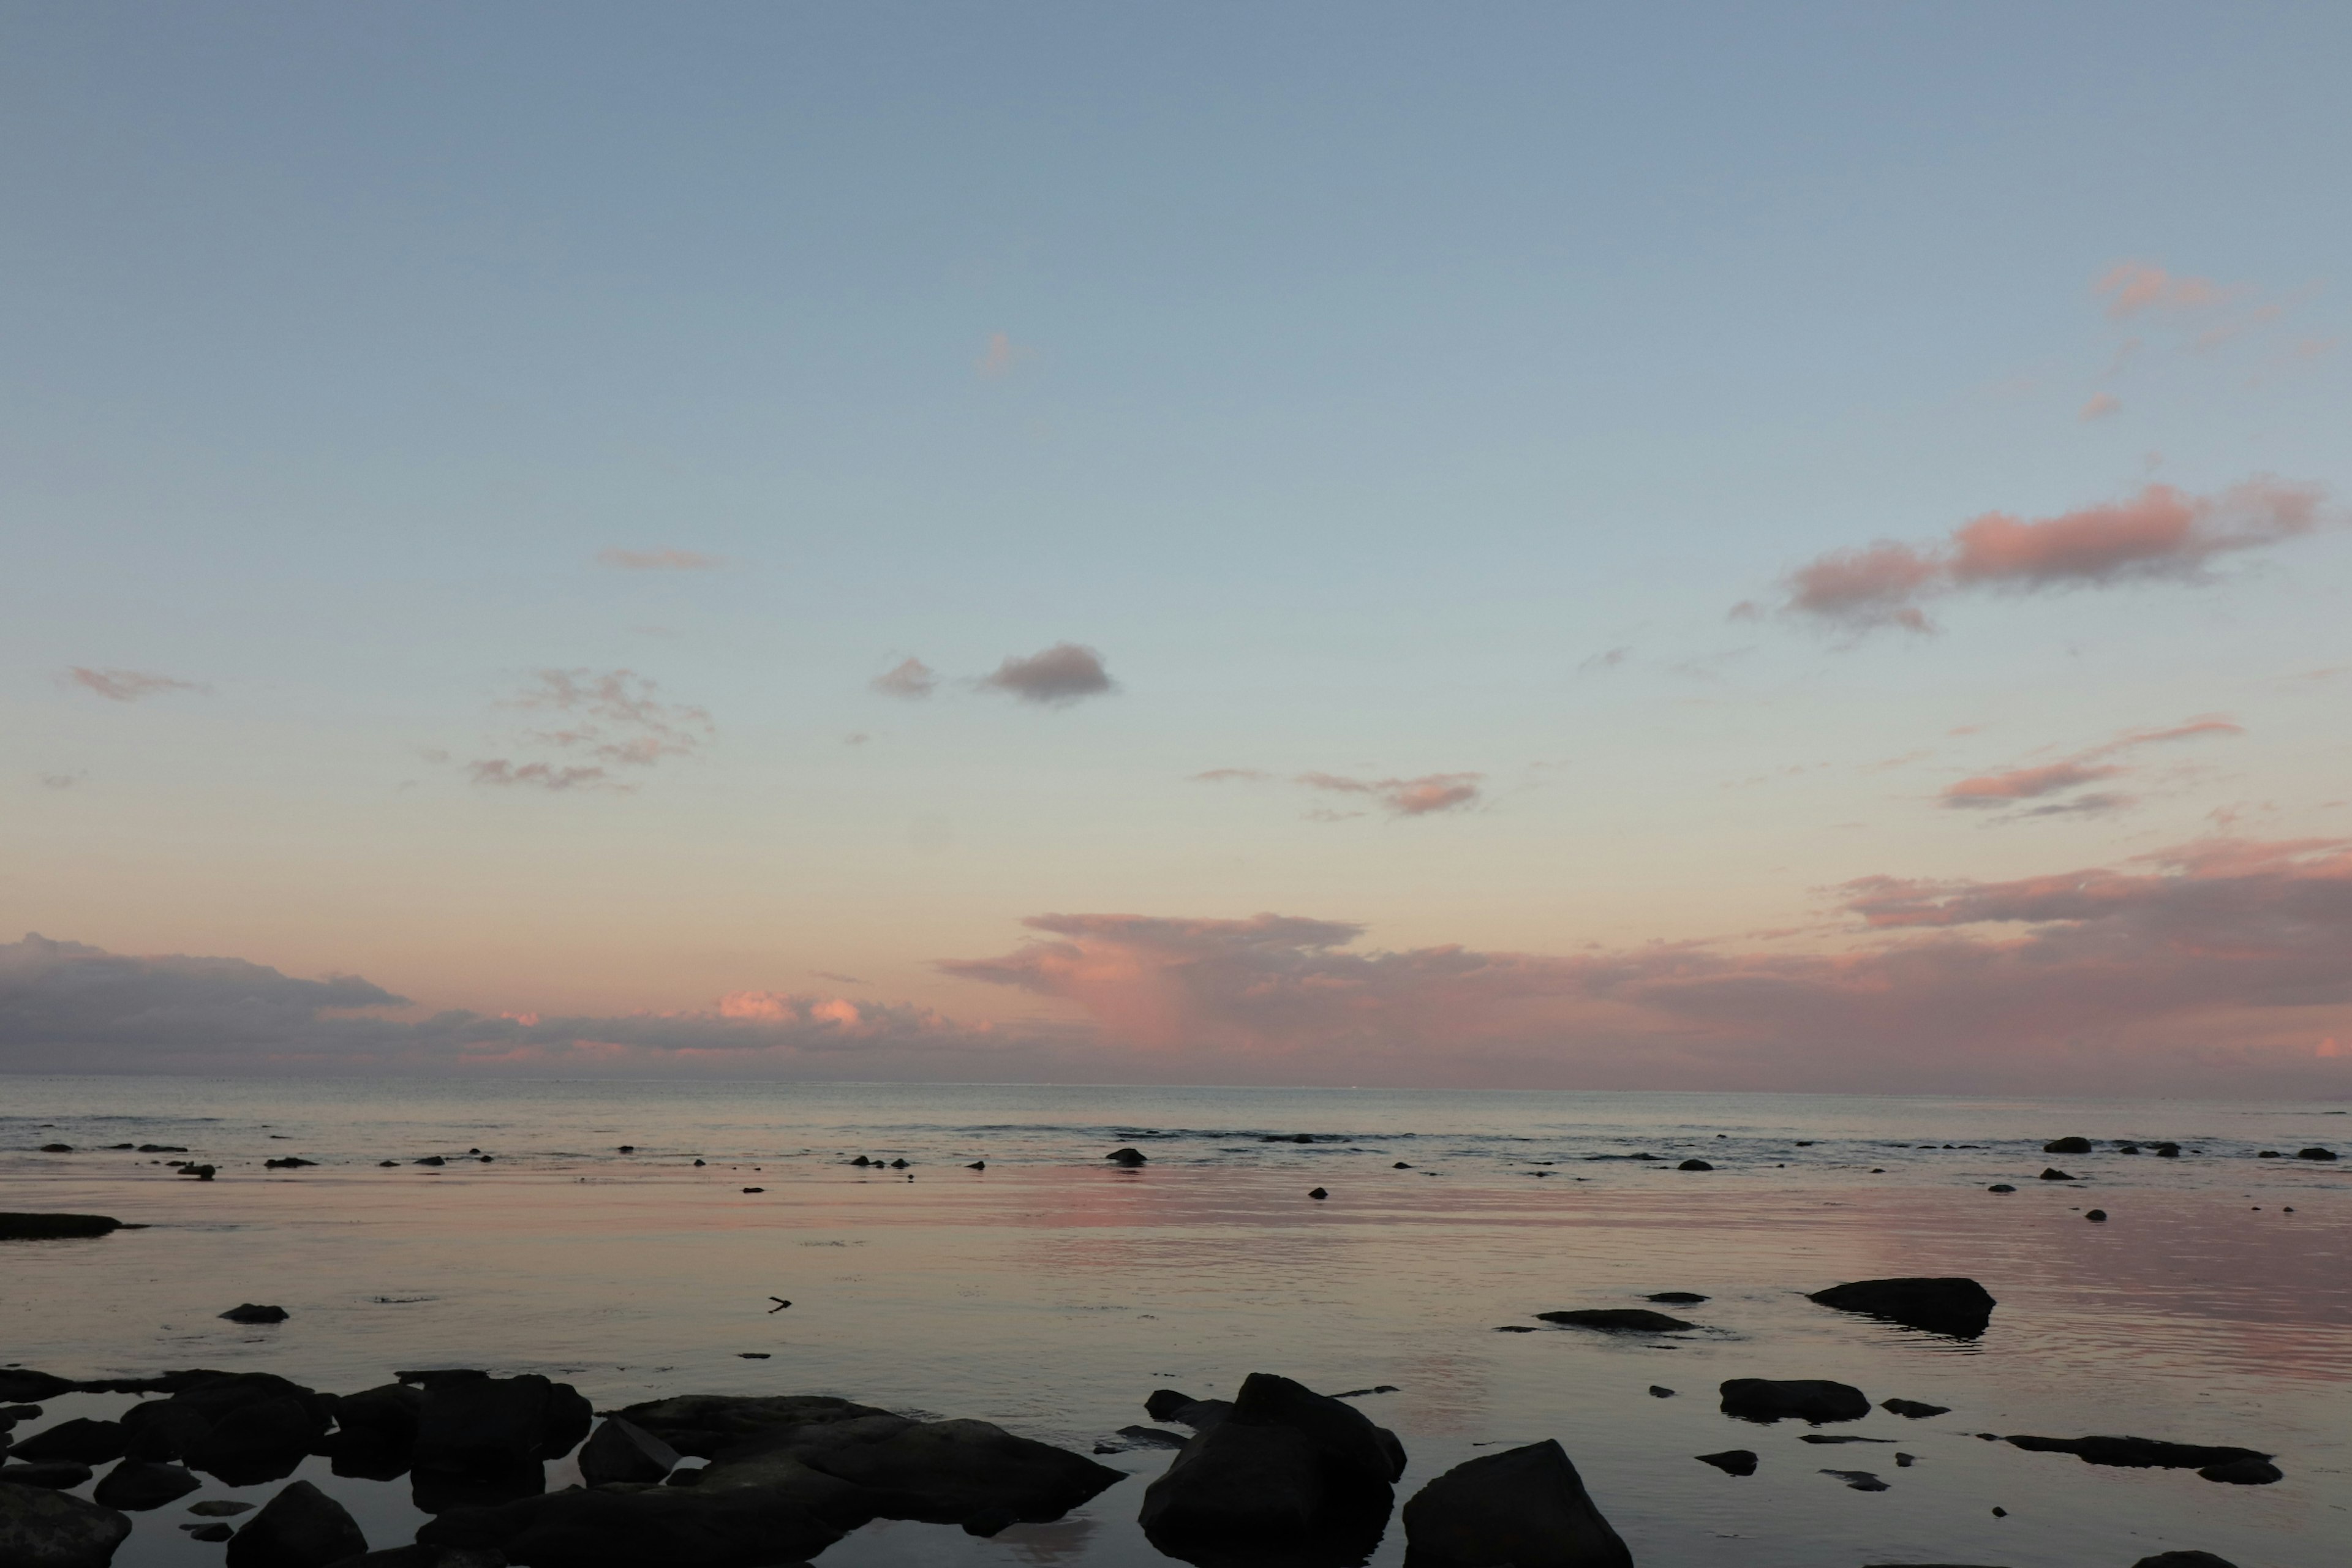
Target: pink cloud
x,y
1224,775
1423,796
909,678
2033,783
2023,783
2160,533
1065,673
536,775
614,716
2133,287
2102,404
665,560
125,685
1001,354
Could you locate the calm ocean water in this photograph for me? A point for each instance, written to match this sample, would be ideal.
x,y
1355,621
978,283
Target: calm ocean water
x,y
1050,1292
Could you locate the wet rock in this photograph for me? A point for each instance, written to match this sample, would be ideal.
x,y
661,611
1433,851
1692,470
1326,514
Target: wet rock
x,y
711,1426
2067,1146
1527,1507
2315,1152
58,1476
291,1162
1658,1392
18,1383
57,1149
1694,1165
162,1148
1958,1307
80,1441
263,1441
1678,1298
1288,1476
1318,1194
1167,1404
137,1485
44,1529
376,1432
1840,1438
1617,1321
2001,1187
977,1165
1904,1461
2244,1473
1731,1461
2096,1216
1814,1400
861,1160
1399,1165
2184,1559
971,1473
55,1227
2051,1174
624,1451
2270,1154
1859,1481
675,1528
252,1312
1129,1157
427,1557
201,1173
220,1508
2166,1151
430,1160
1912,1409
208,1533
1132,1437
302,1527
487,1427
2138,1452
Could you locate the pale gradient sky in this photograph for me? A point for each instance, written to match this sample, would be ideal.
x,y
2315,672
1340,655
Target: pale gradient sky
x,y
1446,425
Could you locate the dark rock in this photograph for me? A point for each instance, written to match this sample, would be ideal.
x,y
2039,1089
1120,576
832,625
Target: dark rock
x,y
137,1485
1516,1329
2127,1148
1959,1308
977,1165
861,1160
709,1425
1912,1408
1732,1461
208,1533
624,1451
2166,1151
1859,1481
2001,1187
376,1432
428,1557
1617,1319
2315,1152
1318,1194
486,1426
2137,1453
382,1165
18,1383
898,1164
747,1526
40,1528
755,1189
2096,1216
2270,1154
1904,1461
2244,1473
626,1149
2051,1174
1527,1507
970,1473
59,1474
1840,1438
201,1173
1656,1392
55,1227
1129,1157
439,1491
162,1148
1289,1475
2184,1559
430,1160
252,1313
1167,1404
1399,1165
1150,1438
1681,1298
1813,1400
79,1441
220,1508
291,1162
263,1441
302,1527
2067,1146
57,1149
1694,1165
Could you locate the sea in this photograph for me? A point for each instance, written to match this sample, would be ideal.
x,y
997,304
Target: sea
x,y
633,1239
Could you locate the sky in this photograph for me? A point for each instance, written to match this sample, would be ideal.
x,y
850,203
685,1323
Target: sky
x,y
1696,546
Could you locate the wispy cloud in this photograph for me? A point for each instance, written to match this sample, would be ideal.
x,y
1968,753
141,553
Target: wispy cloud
x,y
1065,673
126,684
910,678
2092,765
2161,533
535,775
1423,796
1231,775
2101,404
663,560
2134,287
614,716
1000,355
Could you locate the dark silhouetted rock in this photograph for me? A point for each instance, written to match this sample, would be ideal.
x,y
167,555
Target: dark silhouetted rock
x,y
755,1189
1318,1194
1289,1474
302,1527
1167,1404
18,1383
2184,1559
55,1227
40,1528
1678,1298
291,1162
1660,1392
1694,1165
208,1533
251,1312
1813,1400
1859,1481
2096,1216
1617,1319
486,1426
1126,1157
624,1451
977,1165
970,1473
2315,1152
79,1441
709,1425
1839,1437
376,1432
2067,1146
1527,1507
1912,1409
748,1526
2244,1473
1959,1308
58,1476
137,1485
1399,1165
162,1148
201,1173
431,1160
428,1557
220,1508
861,1160
2166,1151
2138,1452
1732,1461
2001,1187
1149,1437
57,1149
2051,1174
264,1441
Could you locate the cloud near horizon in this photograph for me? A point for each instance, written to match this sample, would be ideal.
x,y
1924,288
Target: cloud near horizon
x,y
910,678
1065,673
2160,535
125,685
2023,783
1423,796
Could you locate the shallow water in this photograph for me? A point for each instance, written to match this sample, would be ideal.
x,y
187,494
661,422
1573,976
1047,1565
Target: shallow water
x,y
1050,1292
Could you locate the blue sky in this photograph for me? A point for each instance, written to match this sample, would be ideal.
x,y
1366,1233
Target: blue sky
x,y
1384,391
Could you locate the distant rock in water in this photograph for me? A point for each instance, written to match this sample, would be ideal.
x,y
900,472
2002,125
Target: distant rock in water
x,y
44,1529
79,1441
1617,1321
1678,1298
253,1313
2067,1146
1959,1308
2096,1216
1659,1391
2051,1174
291,1162
2150,1454
1694,1165
1318,1194
2315,1152
2184,1559
2001,1187
1912,1409
1859,1481
1527,1507
55,1227
1814,1400
1732,1461
1128,1157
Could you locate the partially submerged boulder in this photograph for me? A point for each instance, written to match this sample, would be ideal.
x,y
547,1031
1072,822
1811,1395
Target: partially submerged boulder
x,y
1732,1461
1958,1307
1912,1409
45,1528
2139,1453
55,1227
592,1527
1527,1507
137,1485
302,1527
376,1432
1810,1399
1287,1476
1617,1319
245,1428
2067,1146
476,1425
1167,1404
79,1441
621,1451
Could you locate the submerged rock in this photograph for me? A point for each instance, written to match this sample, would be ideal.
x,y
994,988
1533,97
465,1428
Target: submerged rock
x,y
2244,1473
79,1441
1814,1400
253,1313
137,1485
1731,1461
1912,1409
2141,1453
2315,1152
1527,1507
55,1227
376,1432
2067,1146
1167,1404
2051,1174
45,1528
1129,1157
302,1527
1289,1476
1617,1319
18,1383
1859,1481
591,1527
58,1476
1958,1307
1677,1298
